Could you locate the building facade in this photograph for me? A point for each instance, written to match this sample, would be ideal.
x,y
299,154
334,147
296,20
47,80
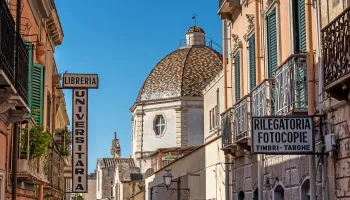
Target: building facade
x,y
282,62
40,172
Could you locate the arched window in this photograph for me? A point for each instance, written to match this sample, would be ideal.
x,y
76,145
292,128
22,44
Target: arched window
x,y
279,193
241,195
159,125
305,190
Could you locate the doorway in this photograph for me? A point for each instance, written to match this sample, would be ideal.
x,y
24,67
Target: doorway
x,y
256,194
279,193
305,190
241,195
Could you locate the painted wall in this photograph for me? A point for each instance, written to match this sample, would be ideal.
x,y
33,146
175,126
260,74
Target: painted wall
x,y
91,195
131,190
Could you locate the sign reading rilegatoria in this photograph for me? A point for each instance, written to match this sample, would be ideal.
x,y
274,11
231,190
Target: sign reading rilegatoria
x,y
80,81
283,135
79,144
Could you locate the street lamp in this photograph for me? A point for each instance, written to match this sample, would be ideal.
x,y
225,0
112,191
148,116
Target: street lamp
x,y
168,177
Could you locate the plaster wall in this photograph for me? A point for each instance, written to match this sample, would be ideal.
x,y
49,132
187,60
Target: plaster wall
x,y
91,195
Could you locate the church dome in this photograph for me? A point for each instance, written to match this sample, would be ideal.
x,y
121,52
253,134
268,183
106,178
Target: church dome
x,y
195,29
184,72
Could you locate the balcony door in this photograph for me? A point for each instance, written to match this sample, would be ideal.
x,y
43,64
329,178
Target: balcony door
x,y
299,26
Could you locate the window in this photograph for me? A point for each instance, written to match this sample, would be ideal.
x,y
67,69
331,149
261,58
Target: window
x,y
217,107
1,185
159,125
272,43
252,63
299,30
236,65
48,122
210,122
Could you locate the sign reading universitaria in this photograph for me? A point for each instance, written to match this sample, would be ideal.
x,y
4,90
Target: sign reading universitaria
x,y
80,83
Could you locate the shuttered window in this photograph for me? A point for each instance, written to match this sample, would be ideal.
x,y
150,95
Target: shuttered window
x,y
37,93
237,68
272,43
252,62
35,86
300,26
48,114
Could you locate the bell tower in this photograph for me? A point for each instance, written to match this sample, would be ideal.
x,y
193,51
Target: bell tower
x,y
115,150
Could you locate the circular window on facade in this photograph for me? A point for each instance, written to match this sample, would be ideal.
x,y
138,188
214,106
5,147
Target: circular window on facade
x,y
159,125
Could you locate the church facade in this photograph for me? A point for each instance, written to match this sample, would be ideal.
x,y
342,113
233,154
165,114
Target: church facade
x,y
168,111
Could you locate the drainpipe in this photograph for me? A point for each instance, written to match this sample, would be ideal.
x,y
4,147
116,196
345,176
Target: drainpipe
x,y
258,67
224,60
257,41
311,89
320,95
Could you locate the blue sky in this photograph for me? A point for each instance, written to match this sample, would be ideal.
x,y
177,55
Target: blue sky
x,y
121,41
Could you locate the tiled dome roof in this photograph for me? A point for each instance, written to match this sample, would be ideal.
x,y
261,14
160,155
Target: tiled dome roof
x,y
184,72
194,29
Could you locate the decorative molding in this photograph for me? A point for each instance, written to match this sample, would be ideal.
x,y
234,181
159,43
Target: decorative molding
x,y
251,25
271,2
7,104
237,43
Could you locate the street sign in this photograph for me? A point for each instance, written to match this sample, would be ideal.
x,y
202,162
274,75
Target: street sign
x,y
80,81
79,144
283,135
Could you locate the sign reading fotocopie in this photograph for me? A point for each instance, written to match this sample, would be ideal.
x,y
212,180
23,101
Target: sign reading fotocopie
x,y
283,135
80,81
79,144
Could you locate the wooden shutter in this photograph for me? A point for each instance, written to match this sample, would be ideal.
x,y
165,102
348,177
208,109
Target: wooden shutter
x,y
30,48
237,65
37,93
272,43
301,25
252,62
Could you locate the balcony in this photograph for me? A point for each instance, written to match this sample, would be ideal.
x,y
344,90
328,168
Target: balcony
x,y
336,56
229,9
227,130
12,82
56,175
32,170
263,98
242,118
291,86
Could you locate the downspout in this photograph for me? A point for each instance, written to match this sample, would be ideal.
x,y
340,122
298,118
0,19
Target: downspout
x,y
321,95
259,79
310,89
224,62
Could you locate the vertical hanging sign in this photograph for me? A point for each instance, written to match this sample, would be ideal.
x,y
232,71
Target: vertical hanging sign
x,y
80,83
80,131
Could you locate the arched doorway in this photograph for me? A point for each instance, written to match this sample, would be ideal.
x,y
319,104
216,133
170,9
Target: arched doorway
x,y
256,194
305,190
279,193
241,195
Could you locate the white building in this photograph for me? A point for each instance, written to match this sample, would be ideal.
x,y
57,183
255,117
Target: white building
x,y
168,111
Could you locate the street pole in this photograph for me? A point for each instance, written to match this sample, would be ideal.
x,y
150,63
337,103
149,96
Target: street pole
x,y
310,89
15,127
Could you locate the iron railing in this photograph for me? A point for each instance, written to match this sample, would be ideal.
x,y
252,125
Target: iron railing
x,y
208,42
56,170
291,86
7,42
23,67
226,128
242,117
263,98
336,48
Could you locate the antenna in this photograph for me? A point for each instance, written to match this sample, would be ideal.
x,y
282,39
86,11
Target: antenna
x,y
195,18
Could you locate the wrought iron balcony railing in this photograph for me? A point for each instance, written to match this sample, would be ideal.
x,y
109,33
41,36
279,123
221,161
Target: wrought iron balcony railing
x,y
336,56
291,86
56,170
33,170
7,42
227,128
263,98
7,51
242,117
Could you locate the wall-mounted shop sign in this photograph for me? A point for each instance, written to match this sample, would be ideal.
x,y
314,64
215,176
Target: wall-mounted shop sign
x,y
79,144
71,81
283,135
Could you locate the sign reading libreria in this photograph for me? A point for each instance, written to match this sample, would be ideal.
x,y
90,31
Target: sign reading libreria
x,y
80,81
79,144
283,135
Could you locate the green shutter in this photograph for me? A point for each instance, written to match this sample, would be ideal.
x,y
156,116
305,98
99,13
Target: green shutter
x,y
30,48
238,76
272,43
37,107
301,25
252,63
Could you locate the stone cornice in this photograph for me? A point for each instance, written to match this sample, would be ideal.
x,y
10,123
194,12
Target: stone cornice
x,y
237,42
54,28
41,9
